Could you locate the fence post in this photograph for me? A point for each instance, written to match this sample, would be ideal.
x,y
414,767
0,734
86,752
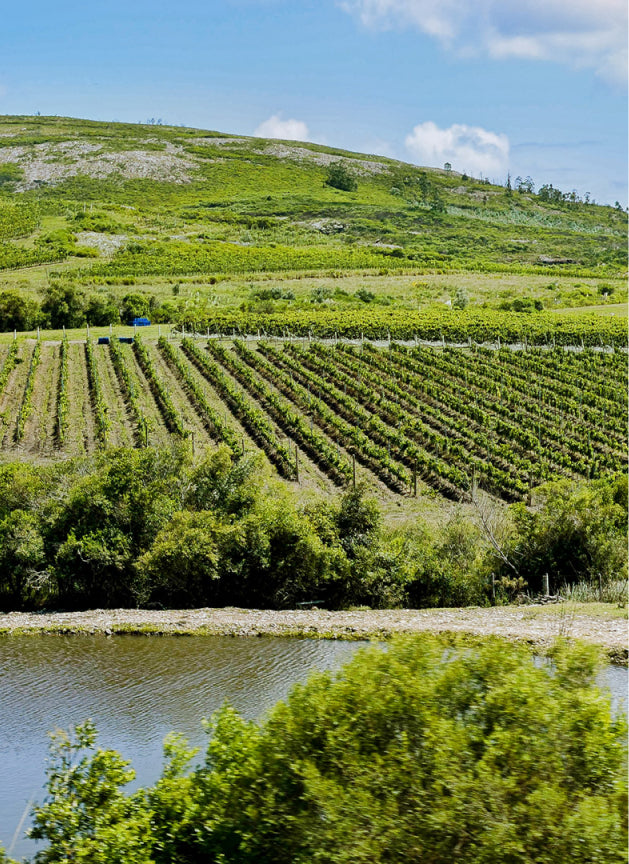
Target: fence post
x,y
546,585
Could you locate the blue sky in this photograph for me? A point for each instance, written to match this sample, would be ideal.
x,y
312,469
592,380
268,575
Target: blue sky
x,y
492,86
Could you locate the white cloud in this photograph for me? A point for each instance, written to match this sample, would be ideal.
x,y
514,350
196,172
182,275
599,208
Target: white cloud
x,y
580,33
288,130
469,149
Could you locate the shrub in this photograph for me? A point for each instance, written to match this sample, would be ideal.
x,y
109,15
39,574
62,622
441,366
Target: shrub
x,y
417,753
18,312
339,176
576,532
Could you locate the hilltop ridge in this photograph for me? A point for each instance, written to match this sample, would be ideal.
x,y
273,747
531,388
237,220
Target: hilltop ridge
x,y
161,207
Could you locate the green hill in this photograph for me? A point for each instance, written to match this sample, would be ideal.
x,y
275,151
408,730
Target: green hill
x,y
191,217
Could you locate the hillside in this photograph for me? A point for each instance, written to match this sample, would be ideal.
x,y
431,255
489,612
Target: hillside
x,y
193,219
403,335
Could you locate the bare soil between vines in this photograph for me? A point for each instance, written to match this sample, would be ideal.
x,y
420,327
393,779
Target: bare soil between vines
x,y
540,626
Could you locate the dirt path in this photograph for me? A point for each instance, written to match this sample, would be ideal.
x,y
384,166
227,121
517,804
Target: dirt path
x,y
190,418
601,624
39,429
158,433
79,393
118,412
13,394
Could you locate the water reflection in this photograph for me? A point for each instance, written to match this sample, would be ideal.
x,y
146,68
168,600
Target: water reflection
x,y
136,689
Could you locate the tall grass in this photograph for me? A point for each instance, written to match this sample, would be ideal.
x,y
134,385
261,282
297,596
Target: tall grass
x,y
614,591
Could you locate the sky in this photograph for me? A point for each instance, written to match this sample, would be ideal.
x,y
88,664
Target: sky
x,y
533,88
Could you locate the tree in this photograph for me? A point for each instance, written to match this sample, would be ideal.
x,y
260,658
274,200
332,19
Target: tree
x,y
87,816
183,561
18,312
134,305
576,532
64,305
424,186
21,554
358,520
341,177
431,750
101,311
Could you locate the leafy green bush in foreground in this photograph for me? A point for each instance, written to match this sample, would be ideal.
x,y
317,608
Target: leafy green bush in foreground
x,y
419,753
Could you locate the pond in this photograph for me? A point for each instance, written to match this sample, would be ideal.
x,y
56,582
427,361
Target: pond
x,y
137,689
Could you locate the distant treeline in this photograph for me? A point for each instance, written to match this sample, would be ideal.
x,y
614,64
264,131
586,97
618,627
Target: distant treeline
x,y
153,528
68,305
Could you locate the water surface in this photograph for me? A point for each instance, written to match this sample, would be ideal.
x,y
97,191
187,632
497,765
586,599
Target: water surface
x,y
137,689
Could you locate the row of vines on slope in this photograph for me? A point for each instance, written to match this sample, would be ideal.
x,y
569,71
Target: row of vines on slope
x,y
503,420
252,418
63,403
432,325
99,406
26,407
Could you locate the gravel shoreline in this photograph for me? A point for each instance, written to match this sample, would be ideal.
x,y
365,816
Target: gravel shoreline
x,y
531,624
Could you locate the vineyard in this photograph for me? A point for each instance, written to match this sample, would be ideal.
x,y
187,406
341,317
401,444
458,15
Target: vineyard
x,y
408,419
477,325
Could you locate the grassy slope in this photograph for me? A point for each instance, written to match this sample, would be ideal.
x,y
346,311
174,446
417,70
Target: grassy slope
x,y
225,218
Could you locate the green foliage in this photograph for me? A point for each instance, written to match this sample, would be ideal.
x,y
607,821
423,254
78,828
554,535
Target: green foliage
x,y
480,325
18,312
87,816
575,532
64,305
10,362
339,176
10,174
16,219
146,527
418,752
101,310
22,555
134,305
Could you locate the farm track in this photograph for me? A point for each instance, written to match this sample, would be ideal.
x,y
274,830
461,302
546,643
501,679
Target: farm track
x,y
39,431
118,412
13,394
